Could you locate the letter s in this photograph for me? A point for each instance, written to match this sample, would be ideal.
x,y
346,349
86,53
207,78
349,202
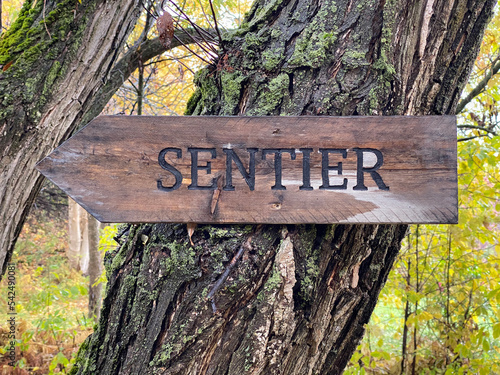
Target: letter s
x,y
170,168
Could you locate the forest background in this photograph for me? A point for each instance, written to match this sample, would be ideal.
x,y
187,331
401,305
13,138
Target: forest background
x,y
439,312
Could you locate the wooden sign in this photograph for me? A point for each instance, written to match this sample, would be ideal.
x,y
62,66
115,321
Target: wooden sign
x,y
261,169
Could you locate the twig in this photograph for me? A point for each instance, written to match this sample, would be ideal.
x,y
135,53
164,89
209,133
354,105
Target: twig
x,y
216,25
147,25
166,59
198,29
224,276
480,86
44,21
487,130
194,53
473,137
132,83
185,66
149,12
205,15
197,41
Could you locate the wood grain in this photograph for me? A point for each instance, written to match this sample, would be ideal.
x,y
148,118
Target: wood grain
x,y
111,167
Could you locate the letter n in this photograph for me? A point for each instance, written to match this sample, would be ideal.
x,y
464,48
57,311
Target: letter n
x,y
248,176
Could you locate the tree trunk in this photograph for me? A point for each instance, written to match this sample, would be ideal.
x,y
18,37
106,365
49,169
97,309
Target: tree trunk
x,y
94,268
294,299
90,37
78,237
83,252
74,235
54,58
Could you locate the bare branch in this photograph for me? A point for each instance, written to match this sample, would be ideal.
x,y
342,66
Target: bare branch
x,y
472,137
147,25
482,128
199,44
216,25
480,86
204,14
127,65
198,29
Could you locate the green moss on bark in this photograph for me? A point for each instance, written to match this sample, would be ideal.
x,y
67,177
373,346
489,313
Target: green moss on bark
x,y
35,53
385,71
193,102
309,251
313,46
271,96
203,101
260,13
181,257
231,83
272,59
17,34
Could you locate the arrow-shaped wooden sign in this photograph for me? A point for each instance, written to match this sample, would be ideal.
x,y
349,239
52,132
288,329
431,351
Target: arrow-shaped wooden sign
x,y
261,169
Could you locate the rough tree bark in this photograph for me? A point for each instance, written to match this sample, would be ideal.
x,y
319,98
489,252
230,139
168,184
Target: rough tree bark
x,y
283,299
54,58
59,69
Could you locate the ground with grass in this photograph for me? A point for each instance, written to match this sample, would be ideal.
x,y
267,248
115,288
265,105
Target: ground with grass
x,y
50,297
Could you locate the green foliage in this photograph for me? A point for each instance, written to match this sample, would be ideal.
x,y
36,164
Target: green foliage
x,y
51,298
480,117
448,278
439,312
59,359
106,243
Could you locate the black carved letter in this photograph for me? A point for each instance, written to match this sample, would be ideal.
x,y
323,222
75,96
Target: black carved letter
x,y
171,169
277,164
249,177
306,169
361,170
325,168
195,168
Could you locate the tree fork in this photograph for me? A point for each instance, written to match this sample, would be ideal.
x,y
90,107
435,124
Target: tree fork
x,y
47,93
298,299
54,57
